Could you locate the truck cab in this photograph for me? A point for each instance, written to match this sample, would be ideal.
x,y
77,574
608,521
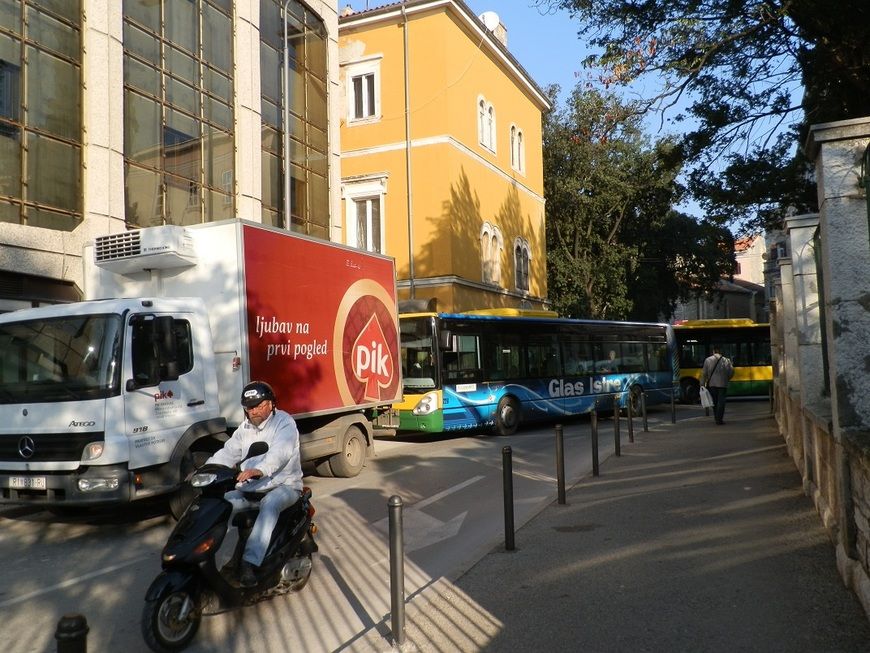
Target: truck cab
x,y
104,401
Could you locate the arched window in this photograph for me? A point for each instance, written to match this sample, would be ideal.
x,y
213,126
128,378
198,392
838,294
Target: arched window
x,y
491,245
481,121
486,124
518,153
490,122
522,257
521,152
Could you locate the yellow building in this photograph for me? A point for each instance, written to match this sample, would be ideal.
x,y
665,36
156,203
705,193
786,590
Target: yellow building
x,y
441,160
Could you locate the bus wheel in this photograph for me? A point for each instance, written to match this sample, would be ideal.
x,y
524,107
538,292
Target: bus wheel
x,y
507,416
689,391
634,396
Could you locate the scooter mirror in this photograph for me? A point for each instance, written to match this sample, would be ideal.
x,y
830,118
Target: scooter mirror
x,y
257,449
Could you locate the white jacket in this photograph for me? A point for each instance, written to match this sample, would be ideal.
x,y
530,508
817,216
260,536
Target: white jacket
x,y
281,465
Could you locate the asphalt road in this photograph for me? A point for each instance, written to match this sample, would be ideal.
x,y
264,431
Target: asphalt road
x,y
100,565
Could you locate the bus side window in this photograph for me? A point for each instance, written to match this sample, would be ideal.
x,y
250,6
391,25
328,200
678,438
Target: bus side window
x,y
632,357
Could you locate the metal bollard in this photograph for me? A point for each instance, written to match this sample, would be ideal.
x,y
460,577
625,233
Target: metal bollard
x,y
630,415
507,473
560,463
397,571
643,411
593,421
673,408
72,634
616,438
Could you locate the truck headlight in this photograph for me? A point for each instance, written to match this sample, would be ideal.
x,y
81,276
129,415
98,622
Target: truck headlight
x,y
427,405
93,450
98,484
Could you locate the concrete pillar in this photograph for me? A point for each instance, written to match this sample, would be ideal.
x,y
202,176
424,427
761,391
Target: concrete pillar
x,y
788,326
801,230
837,149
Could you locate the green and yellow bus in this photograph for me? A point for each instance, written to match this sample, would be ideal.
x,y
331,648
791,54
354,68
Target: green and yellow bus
x,y
745,342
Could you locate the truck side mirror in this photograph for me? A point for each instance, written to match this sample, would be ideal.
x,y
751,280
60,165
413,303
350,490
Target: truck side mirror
x,y
445,340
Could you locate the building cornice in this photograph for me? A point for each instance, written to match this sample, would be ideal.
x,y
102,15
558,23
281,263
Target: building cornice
x,y
394,13
451,279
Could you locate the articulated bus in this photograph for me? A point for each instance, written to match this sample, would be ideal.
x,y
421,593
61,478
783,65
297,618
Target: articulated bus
x,y
497,368
745,342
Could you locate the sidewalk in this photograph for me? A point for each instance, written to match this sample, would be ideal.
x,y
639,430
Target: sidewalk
x,y
698,538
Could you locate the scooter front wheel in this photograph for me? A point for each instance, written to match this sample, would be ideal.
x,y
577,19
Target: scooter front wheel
x,y
170,622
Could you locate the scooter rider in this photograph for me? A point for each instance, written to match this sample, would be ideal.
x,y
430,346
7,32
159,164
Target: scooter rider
x,y
278,472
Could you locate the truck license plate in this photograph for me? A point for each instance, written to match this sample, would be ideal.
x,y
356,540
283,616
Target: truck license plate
x,y
27,482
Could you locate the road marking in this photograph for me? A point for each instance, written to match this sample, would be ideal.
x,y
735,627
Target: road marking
x,y
420,529
447,492
73,581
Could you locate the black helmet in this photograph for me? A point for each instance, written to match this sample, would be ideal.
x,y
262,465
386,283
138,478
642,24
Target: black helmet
x,y
256,392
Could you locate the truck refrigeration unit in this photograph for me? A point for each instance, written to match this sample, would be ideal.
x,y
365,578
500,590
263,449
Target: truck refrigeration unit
x,y
119,397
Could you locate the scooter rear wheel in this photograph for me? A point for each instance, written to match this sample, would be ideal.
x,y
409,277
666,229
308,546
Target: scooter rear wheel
x,y
163,627
304,573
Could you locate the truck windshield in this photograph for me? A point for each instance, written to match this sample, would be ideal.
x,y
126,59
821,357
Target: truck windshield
x,y
63,359
419,371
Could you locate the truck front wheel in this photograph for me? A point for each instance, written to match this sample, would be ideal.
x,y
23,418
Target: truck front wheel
x,y
186,494
350,460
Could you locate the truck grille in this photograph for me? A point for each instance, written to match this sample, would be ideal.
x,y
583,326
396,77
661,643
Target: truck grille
x,y
46,447
117,246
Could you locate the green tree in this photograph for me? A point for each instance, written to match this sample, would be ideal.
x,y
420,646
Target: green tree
x,y
755,73
614,246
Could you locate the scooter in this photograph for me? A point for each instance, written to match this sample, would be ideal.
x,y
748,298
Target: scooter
x,y
191,584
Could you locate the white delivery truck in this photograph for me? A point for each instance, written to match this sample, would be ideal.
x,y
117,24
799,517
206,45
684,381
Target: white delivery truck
x,y
118,397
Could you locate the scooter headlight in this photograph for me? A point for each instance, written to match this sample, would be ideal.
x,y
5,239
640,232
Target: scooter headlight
x,y
201,480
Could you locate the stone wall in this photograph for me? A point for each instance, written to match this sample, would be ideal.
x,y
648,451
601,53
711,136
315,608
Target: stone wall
x,y
820,329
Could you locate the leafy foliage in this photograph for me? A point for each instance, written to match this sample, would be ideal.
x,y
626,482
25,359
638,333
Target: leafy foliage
x,y
614,247
741,64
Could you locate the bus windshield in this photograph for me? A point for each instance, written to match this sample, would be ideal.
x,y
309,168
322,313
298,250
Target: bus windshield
x,y
64,359
418,353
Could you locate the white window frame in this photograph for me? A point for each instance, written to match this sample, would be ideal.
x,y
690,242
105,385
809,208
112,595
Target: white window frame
x,y
522,264
518,149
491,247
361,69
486,121
373,187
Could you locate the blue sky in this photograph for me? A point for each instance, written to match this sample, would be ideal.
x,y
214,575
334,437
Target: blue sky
x,y
546,44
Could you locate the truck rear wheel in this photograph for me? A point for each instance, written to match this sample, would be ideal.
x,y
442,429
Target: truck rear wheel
x,y
350,460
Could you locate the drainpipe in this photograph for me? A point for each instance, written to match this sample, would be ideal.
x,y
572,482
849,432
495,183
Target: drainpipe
x,y
408,156
286,117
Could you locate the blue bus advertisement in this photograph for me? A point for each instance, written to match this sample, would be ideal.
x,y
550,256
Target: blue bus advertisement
x,y
500,368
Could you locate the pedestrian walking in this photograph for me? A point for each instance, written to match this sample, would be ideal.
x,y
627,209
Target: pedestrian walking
x,y
715,374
